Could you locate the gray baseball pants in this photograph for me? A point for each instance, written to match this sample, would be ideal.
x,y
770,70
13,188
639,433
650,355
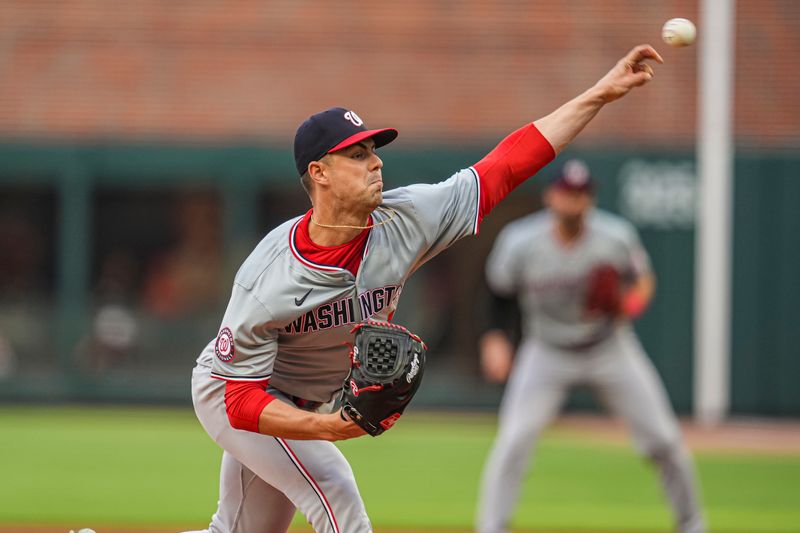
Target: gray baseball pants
x,y
264,479
622,376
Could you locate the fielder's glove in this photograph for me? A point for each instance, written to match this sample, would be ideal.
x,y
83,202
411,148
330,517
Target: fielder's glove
x,y
604,291
386,366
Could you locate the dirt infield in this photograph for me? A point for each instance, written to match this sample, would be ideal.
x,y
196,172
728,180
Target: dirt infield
x,y
51,529
735,436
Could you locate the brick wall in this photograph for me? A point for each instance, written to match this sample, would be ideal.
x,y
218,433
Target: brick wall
x,y
457,70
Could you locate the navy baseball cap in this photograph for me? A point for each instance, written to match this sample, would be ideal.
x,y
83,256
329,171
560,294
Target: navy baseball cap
x,y
332,130
574,176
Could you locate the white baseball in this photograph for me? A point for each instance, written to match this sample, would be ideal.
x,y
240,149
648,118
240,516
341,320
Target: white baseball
x,y
679,32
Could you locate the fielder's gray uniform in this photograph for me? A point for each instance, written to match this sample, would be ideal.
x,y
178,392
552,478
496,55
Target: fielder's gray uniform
x,y
287,321
562,347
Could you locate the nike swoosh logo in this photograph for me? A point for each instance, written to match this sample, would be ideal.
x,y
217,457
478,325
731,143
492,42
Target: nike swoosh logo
x,y
299,301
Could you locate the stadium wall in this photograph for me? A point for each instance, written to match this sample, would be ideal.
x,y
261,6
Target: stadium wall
x,y
88,203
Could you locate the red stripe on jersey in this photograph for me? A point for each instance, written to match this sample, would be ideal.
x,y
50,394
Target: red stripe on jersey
x,y
518,157
347,255
244,402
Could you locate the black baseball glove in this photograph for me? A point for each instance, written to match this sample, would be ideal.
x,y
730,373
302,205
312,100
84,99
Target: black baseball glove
x,y
386,366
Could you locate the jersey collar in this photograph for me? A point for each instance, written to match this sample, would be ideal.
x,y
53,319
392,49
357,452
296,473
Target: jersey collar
x,y
302,225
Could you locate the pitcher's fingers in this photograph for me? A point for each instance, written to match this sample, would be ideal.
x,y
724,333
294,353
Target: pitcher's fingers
x,y
644,67
641,52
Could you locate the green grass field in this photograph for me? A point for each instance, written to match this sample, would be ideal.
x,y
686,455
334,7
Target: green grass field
x,y
156,468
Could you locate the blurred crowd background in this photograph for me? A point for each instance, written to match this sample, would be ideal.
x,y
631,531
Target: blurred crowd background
x,y
145,147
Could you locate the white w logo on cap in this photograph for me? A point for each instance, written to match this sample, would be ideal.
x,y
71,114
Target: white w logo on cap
x,y
352,117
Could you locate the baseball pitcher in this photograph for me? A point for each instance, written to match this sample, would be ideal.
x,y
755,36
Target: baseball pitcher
x,y
268,387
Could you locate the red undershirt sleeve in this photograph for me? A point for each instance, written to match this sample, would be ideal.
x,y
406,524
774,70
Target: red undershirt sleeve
x,y
518,157
244,402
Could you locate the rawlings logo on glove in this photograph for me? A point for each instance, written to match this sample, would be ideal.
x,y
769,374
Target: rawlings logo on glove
x,y
386,366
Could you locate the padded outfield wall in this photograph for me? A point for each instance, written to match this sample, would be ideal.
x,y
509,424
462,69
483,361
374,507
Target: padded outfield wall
x,y
100,316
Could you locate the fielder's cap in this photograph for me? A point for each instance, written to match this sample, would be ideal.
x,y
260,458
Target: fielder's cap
x,y
332,130
574,176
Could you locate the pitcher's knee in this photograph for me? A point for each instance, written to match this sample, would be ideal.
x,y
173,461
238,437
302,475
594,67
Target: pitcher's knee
x,y
667,450
347,490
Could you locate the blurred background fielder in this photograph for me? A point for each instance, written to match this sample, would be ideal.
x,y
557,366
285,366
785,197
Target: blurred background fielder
x,y
580,275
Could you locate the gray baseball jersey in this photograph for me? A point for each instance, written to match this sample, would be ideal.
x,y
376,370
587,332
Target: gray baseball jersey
x,y
287,321
288,318
551,280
